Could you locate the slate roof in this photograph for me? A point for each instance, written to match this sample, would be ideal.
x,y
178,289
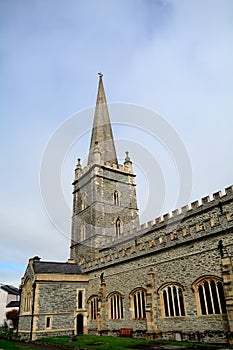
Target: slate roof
x,y
10,289
13,304
57,267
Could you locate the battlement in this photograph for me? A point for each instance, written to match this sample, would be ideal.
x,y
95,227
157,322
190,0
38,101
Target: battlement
x,y
80,172
194,221
191,209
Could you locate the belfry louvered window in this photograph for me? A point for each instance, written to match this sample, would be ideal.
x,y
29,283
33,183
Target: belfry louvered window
x,y
173,301
116,198
116,309
211,298
118,227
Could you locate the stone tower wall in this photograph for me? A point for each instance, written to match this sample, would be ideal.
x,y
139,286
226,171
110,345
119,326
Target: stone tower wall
x,y
98,185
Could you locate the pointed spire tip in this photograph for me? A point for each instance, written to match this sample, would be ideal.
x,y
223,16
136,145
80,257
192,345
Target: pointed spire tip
x,y
100,75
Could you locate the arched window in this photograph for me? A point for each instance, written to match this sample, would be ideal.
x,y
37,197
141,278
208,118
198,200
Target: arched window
x,y
93,307
84,201
115,306
116,198
138,304
27,301
118,227
27,296
172,300
210,296
83,232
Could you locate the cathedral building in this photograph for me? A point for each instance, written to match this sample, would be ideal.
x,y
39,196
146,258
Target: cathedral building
x,y
170,278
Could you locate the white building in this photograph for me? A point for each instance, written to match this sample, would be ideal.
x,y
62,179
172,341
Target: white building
x,y
9,300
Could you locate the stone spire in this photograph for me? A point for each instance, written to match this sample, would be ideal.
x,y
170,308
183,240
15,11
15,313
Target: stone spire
x,y
102,130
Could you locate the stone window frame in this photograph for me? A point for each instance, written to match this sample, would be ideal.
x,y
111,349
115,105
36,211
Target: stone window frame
x,y
116,310
118,226
93,307
48,322
172,300
81,290
137,300
82,231
116,198
209,295
27,296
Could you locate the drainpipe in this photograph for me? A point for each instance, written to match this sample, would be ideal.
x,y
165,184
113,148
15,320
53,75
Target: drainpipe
x,y
20,293
33,304
227,274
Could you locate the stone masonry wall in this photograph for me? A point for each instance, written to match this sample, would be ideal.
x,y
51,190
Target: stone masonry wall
x,y
187,251
59,302
100,213
183,265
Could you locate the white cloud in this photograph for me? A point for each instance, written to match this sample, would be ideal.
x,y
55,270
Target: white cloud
x,y
171,56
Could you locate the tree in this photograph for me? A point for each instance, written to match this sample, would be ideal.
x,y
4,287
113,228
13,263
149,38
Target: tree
x,y
13,315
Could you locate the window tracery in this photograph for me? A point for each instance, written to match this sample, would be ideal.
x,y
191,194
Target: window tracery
x,y
138,304
116,308
210,296
172,300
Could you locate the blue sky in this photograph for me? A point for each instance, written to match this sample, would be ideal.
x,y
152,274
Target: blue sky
x,y
174,57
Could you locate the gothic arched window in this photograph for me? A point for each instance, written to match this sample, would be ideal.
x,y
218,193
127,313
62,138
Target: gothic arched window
x,y
116,198
118,227
138,304
27,301
93,307
115,306
27,296
210,296
172,300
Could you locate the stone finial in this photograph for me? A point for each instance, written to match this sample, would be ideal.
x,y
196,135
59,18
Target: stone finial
x,y
127,158
78,168
127,163
79,164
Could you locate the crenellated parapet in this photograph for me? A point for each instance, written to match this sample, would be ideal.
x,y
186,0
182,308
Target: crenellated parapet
x,y
97,168
207,217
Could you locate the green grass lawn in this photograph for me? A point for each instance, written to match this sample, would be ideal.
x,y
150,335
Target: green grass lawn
x,y
9,345
98,342
101,343
118,343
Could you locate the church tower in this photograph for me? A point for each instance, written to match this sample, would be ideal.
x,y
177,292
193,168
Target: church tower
x,y
104,196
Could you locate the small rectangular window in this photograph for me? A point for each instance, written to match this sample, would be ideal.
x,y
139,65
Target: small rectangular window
x,y
80,299
48,322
